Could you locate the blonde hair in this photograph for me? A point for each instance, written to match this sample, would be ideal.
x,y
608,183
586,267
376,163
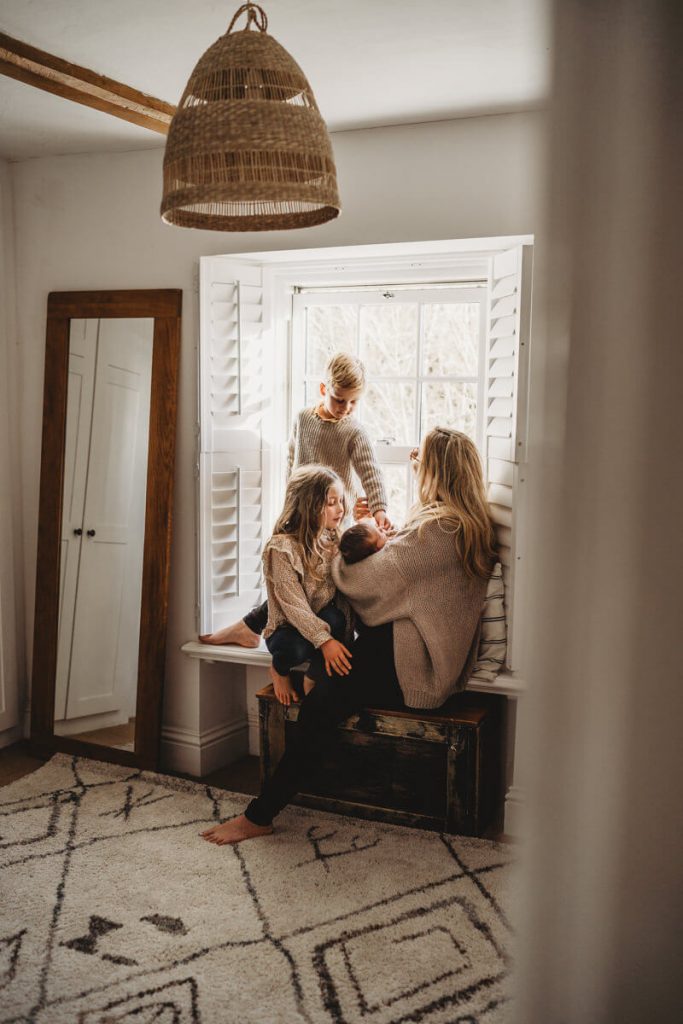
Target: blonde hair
x,y
450,488
302,513
346,372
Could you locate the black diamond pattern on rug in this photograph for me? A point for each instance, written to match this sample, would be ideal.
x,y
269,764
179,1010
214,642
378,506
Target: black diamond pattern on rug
x,y
115,910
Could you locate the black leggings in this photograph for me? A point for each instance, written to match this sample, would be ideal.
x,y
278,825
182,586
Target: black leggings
x,y
290,648
372,682
257,618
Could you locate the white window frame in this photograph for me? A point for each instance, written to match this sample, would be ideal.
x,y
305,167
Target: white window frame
x,y
387,451
466,261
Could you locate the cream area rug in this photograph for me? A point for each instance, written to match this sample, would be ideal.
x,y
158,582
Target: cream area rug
x,y
113,909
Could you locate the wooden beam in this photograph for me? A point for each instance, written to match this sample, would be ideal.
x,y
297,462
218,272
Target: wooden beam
x,y
72,82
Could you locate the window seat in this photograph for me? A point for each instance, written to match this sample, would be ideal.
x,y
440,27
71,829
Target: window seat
x,y
505,683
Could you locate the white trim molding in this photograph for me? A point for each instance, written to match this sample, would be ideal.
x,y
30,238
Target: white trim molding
x,y
10,736
195,753
505,683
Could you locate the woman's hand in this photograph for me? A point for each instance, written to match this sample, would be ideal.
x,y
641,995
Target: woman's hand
x,y
336,657
360,509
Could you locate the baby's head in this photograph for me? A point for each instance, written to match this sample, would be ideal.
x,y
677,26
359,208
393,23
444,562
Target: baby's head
x,y
361,540
343,385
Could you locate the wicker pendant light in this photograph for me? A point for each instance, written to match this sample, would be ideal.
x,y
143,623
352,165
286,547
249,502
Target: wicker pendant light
x,y
247,149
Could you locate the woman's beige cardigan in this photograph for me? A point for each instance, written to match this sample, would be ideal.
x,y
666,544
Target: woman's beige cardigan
x,y
417,582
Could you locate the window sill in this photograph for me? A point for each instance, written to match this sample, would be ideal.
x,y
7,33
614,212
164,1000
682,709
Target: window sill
x,y
505,683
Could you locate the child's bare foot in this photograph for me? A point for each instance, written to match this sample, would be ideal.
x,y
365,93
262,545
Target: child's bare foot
x,y
308,684
239,633
284,690
236,830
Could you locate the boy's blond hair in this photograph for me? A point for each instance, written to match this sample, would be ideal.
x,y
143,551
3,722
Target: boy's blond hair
x,y
346,372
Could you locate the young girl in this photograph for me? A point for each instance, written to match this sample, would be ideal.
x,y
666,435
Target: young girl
x,y
304,623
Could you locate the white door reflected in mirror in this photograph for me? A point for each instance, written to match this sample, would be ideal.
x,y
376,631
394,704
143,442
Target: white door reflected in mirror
x,y
103,520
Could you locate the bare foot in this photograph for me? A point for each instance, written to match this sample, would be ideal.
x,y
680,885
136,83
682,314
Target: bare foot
x,y
239,633
308,684
236,830
284,690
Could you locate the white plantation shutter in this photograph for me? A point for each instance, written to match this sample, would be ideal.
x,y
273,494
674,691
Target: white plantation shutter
x,y
234,424
507,352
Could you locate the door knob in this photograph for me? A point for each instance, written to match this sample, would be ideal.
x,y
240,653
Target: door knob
x,y
91,533
78,532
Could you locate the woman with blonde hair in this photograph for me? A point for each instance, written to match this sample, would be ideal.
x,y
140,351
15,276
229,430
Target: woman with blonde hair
x,y
418,600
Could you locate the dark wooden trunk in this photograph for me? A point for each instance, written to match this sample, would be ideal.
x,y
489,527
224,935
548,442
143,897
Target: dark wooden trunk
x,y
438,769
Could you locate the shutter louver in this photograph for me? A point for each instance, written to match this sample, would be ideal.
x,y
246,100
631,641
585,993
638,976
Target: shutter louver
x,y
507,363
233,409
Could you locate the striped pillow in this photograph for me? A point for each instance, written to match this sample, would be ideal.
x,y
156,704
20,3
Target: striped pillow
x,y
493,638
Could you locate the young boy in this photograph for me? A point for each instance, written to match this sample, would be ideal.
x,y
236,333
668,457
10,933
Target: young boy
x,y
361,541
328,435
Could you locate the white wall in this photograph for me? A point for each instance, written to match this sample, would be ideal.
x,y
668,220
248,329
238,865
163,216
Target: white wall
x,y
12,691
91,221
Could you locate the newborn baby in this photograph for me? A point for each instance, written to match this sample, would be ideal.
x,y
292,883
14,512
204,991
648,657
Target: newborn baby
x,y
361,540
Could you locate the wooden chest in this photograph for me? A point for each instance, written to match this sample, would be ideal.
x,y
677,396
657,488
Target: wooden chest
x,y
438,769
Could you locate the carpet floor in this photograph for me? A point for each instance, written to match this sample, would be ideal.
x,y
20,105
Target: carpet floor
x,y
113,909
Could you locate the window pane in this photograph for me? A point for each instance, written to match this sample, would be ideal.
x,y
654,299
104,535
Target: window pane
x,y
388,339
329,329
450,405
388,410
451,339
396,480
312,393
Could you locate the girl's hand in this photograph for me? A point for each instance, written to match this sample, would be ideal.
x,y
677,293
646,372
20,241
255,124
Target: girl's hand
x,y
336,657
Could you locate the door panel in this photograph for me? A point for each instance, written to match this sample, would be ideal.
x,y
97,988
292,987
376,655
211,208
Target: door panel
x,y
104,657
81,381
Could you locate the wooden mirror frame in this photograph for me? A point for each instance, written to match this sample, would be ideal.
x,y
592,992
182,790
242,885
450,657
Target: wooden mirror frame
x,y
164,305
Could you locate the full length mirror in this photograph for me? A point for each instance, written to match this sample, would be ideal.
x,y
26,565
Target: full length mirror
x,y
103,526
105,518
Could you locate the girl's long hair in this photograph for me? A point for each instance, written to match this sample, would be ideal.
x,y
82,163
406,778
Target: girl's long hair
x,y
302,514
450,489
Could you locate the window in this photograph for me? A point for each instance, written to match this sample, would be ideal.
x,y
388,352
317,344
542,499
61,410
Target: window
x,y
446,341
424,354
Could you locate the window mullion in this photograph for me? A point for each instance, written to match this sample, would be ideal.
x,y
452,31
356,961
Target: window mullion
x,y
482,384
423,378
418,370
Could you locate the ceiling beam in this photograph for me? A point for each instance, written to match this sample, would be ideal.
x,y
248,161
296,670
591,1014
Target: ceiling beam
x,y
45,71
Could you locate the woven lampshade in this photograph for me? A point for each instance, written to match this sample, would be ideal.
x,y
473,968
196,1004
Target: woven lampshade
x,y
247,149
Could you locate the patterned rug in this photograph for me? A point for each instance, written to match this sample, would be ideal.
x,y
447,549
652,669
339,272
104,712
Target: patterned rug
x,y
113,909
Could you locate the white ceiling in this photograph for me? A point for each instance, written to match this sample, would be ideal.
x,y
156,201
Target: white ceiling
x,y
370,62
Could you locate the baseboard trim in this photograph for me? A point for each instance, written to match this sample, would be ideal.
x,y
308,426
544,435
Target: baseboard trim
x,y
11,735
183,750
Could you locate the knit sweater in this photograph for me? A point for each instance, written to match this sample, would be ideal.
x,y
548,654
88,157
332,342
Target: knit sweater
x,y
344,446
294,595
417,582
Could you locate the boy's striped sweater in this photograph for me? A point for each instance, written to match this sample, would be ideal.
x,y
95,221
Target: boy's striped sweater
x,y
341,445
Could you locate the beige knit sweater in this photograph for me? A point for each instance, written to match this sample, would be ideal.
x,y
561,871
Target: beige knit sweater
x,y
341,445
417,582
294,595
